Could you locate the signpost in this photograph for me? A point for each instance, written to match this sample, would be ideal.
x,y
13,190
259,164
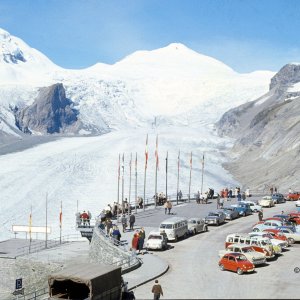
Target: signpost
x,y
19,290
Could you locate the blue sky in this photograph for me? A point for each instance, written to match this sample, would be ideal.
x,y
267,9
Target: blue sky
x,y
247,35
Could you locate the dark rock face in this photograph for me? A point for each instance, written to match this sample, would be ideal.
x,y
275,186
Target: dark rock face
x,y
50,113
287,75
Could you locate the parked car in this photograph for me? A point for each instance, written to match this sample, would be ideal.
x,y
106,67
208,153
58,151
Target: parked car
x,y
157,241
255,257
236,262
290,233
253,206
231,213
215,217
297,203
269,224
196,225
243,209
293,196
278,198
276,233
174,227
266,201
275,242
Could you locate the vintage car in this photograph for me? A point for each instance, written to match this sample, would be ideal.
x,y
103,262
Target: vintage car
x,y
277,234
243,209
253,206
293,196
215,217
297,203
236,262
257,258
290,233
266,201
196,225
268,224
157,241
274,241
278,198
230,213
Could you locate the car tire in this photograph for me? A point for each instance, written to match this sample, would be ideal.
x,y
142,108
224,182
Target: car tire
x,y
239,271
218,223
176,238
291,240
195,231
221,267
244,214
206,229
255,230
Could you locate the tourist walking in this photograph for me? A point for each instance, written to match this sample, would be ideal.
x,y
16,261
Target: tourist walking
x,y
166,207
157,290
131,221
124,222
260,215
169,205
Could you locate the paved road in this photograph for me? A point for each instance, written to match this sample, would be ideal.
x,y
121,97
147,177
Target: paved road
x,y
193,262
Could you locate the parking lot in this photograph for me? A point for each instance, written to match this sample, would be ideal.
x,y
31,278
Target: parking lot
x,y
193,262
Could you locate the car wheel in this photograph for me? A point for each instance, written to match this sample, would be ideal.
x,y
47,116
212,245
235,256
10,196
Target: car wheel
x,y
206,229
244,214
291,240
176,238
218,223
195,231
239,271
255,230
221,267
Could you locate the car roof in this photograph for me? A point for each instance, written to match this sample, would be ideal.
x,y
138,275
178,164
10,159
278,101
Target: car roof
x,y
239,245
174,220
235,254
196,219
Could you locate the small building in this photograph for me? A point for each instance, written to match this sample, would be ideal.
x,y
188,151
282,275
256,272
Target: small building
x,y
86,281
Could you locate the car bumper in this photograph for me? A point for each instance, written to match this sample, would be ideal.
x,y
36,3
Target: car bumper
x,y
259,261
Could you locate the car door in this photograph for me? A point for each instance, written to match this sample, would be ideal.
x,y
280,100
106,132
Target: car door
x,y
231,263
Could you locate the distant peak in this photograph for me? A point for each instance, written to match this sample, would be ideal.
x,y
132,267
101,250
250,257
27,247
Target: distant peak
x,y
177,46
4,34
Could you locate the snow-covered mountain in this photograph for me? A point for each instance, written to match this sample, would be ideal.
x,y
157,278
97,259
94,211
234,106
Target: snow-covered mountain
x,y
173,84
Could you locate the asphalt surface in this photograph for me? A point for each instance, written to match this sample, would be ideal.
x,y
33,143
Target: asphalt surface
x,y
193,262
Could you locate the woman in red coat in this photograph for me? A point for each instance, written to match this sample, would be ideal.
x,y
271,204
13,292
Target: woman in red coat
x,y
135,241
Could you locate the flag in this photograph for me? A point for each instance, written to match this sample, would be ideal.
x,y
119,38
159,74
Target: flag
x,y
203,161
146,153
123,162
30,223
60,215
135,160
178,158
156,153
191,160
167,163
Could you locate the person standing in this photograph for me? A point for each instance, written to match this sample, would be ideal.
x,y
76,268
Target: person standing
x,y
135,241
180,195
166,207
131,221
157,290
169,206
124,222
142,236
260,215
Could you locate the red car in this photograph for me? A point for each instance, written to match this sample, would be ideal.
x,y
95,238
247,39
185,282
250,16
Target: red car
x,y
236,262
293,196
277,234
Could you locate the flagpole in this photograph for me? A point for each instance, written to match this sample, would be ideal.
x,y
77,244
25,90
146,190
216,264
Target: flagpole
x,y
135,181
167,176
129,184
30,224
178,177
145,172
46,221
202,174
191,161
156,166
60,221
118,187
123,184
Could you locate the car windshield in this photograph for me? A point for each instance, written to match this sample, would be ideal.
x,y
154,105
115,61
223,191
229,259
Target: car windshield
x,y
166,226
241,258
211,214
247,250
154,237
192,221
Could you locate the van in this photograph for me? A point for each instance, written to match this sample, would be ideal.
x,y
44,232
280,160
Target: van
x,y
260,244
175,228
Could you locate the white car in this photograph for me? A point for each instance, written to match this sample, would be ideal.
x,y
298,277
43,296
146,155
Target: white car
x,y
266,201
253,206
255,257
297,203
157,241
196,225
274,241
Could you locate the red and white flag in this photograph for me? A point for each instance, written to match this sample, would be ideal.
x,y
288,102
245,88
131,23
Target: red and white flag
x,y
60,215
191,160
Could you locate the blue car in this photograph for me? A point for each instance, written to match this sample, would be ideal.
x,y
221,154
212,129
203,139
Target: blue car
x,y
243,209
278,198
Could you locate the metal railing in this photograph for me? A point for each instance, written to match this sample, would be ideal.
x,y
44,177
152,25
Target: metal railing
x,y
41,294
37,246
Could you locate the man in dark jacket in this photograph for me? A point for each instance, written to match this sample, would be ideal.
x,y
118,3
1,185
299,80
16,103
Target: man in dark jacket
x,y
131,220
157,290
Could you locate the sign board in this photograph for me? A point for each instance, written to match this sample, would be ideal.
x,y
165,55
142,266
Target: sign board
x,y
34,229
18,283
